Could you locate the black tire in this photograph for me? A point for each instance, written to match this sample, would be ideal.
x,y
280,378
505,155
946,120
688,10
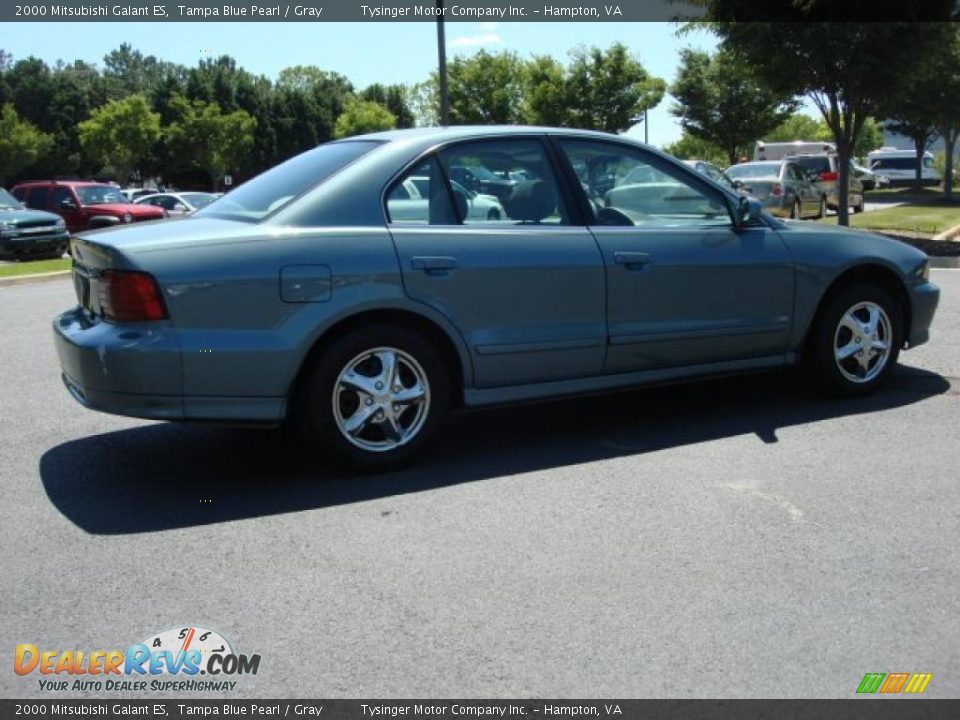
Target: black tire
x,y
859,208
493,214
822,212
822,362
317,416
796,212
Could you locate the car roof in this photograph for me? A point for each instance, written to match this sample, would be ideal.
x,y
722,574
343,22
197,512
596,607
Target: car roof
x,y
463,131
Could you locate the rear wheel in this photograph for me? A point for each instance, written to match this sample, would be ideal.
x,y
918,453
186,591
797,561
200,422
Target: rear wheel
x,y
795,212
856,343
822,212
858,208
376,397
493,214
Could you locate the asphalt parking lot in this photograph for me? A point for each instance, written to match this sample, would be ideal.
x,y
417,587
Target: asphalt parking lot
x,y
735,538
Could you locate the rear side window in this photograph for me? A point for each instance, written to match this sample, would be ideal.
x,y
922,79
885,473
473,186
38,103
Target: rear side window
x,y
507,182
814,164
270,191
421,198
37,197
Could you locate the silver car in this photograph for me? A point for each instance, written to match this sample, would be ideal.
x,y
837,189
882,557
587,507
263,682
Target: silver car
x,y
300,297
782,186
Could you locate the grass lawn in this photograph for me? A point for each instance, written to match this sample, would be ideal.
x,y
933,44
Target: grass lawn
x,y
37,266
929,218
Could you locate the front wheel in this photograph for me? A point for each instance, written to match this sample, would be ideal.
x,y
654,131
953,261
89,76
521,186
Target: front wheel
x,y
856,343
376,397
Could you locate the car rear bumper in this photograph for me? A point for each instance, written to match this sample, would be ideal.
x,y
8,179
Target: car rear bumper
x,y
135,370
923,301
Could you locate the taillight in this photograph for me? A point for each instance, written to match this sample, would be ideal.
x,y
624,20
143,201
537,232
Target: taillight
x,y
130,296
828,176
776,189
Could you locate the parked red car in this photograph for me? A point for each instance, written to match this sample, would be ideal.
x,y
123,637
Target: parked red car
x,y
84,204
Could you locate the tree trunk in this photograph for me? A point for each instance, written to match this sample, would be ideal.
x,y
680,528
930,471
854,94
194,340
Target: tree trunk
x,y
843,182
949,145
920,145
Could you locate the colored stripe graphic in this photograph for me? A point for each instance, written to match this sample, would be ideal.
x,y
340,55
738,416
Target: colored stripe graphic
x,y
918,682
894,682
871,682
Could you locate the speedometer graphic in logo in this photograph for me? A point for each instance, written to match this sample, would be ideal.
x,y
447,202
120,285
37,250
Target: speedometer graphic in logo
x,y
183,640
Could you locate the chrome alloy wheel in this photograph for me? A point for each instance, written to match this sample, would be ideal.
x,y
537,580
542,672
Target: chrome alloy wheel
x,y
381,399
862,342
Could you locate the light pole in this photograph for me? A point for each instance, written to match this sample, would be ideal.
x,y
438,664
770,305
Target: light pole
x,y
442,67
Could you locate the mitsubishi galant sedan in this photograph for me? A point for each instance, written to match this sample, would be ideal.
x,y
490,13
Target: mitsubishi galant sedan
x,y
307,295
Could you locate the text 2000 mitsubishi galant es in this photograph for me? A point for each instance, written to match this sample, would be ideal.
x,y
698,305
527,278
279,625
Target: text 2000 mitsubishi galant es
x,y
352,289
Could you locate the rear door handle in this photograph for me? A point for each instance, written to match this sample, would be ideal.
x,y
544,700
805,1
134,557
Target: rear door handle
x,y
433,265
632,260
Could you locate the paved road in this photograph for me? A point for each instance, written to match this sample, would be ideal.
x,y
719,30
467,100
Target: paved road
x,y
736,538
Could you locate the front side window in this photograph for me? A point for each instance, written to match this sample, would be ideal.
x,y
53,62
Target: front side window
x,y
624,188
273,189
60,196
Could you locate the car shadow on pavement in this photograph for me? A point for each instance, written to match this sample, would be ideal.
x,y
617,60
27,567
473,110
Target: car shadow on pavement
x,y
165,476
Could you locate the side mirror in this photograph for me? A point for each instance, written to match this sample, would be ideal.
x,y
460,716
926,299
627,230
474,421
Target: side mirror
x,y
748,211
179,207
67,205
738,184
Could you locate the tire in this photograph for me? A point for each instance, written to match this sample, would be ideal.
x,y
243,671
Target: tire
x,y
834,359
822,212
796,212
493,214
387,433
859,208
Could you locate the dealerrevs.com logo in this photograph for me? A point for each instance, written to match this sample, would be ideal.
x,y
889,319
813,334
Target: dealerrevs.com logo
x,y
181,653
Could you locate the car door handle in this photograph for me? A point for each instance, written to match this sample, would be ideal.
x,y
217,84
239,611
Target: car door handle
x,y
632,260
433,265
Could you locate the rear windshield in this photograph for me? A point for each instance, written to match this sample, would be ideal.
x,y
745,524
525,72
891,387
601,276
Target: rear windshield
x,y
818,164
270,191
199,200
755,170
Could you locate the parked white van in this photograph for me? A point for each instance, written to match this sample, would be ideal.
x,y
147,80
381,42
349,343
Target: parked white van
x,y
899,166
779,150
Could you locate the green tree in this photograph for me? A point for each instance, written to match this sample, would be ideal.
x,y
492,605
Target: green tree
x,y
121,134
486,89
689,147
393,98
363,116
545,94
720,101
948,108
846,73
21,144
209,139
609,89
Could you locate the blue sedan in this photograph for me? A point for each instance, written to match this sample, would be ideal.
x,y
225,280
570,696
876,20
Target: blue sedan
x,y
315,294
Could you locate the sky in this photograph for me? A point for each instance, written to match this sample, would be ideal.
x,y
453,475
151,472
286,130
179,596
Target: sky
x,y
403,52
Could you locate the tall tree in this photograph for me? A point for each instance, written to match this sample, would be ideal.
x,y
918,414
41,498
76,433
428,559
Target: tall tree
x,y
845,69
121,134
545,94
945,98
214,141
486,88
21,144
610,89
363,116
720,101
692,148
394,99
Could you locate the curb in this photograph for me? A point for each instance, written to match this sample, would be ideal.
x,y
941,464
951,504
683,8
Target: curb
x,y
949,234
944,262
36,277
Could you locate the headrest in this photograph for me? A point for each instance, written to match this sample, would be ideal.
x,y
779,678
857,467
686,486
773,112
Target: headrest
x,y
532,201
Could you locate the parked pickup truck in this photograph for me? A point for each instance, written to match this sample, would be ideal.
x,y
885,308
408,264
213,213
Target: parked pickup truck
x,y
84,204
29,233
